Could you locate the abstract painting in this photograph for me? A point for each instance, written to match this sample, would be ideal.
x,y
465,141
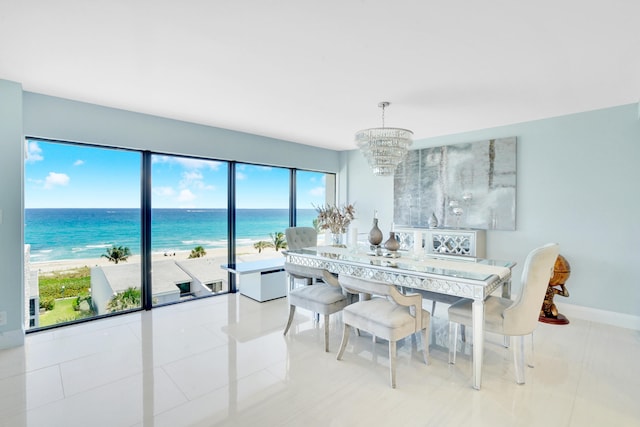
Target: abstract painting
x,y
470,185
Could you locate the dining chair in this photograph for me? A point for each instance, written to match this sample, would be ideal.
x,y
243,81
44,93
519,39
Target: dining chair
x,y
514,319
323,298
392,317
299,238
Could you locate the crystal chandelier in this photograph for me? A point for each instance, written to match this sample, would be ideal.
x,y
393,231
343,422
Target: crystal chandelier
x,y
384,148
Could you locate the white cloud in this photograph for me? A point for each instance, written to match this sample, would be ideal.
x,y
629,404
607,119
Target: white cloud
x,y
188,177
317,191
240,176
194,179
37,182
186,196
187,163
160,159
34,152
56,179
164,191
78,162
191,163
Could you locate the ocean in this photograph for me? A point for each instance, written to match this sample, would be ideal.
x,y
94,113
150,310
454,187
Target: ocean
x,y
62,234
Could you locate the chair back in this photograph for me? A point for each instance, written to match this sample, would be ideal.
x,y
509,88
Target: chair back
x,y
354,285
301,237
521,318
303,272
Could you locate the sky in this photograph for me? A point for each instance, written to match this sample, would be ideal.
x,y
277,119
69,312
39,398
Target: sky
x,y
75,176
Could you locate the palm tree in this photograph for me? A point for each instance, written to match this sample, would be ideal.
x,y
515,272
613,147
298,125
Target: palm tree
x,y
279,241
129,298
197,252
262,244
117,254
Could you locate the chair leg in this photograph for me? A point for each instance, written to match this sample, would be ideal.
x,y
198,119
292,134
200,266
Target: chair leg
x,y
326,333
518,358
426,345
292,310
392,362
453,342
345,339
532,360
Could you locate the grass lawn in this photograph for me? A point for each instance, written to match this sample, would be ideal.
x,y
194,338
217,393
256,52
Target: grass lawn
x,y
62,312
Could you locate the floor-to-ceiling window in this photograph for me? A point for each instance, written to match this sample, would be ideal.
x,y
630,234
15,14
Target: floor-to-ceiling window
x,y
85,213
82,232
262,211
188,228
313,189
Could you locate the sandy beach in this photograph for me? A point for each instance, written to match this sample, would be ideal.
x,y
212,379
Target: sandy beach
x,y
244,253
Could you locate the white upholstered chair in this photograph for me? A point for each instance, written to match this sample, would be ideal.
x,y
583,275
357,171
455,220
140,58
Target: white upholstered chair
x,y
503,316
322,298
393,317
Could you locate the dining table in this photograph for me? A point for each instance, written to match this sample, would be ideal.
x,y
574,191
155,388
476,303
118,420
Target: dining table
x,y
460,276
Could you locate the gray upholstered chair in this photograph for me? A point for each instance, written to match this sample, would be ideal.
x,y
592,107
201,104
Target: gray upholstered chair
x,y
299,238
511,318
392,317
322,298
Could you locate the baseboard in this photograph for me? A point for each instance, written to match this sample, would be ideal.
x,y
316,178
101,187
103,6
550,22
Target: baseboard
x,y
613,318
9,339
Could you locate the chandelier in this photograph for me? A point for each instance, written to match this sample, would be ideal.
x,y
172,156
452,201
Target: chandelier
x,y
384,148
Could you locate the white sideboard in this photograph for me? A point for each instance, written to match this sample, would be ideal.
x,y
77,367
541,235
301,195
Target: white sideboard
x,y
445,241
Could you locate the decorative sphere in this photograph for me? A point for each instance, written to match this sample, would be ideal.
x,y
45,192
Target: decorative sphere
x,y
561,271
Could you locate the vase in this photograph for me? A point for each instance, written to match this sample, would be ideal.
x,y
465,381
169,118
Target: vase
x,y
433,221
337,239
392,245
375,235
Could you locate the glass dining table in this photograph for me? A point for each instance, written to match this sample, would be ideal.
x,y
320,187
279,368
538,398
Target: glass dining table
x,y
466,277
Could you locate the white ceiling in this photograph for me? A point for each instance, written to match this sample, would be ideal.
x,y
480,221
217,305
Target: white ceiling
x,y
313,71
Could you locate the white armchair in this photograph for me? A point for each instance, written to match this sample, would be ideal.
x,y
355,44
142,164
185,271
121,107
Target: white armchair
x,y
393,317
511,318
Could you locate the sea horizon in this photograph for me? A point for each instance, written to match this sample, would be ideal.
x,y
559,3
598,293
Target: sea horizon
x,y
58,234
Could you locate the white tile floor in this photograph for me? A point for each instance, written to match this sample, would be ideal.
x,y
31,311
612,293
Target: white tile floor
x,y
224,361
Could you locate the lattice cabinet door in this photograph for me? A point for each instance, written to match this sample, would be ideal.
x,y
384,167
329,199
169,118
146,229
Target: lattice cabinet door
x,y
455,242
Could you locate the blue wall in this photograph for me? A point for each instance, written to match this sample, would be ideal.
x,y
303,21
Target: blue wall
x,y
31,114
577,184
11,204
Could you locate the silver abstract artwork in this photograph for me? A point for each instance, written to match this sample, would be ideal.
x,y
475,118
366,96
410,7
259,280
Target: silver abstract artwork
x,y
471,185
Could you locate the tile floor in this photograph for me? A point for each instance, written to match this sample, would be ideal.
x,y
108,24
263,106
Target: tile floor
x,y
224,361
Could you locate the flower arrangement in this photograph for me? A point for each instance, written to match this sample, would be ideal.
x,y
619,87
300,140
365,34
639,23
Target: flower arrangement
x,y
334,218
